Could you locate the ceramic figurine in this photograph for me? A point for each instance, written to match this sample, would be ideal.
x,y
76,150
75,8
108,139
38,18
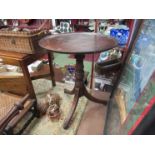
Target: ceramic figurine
x,y
53,98
54,105
54,111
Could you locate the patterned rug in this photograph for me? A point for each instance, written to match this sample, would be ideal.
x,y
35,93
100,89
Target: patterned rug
x,y
45,126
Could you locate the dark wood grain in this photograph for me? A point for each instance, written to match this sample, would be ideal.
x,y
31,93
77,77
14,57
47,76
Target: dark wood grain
x,y
78,43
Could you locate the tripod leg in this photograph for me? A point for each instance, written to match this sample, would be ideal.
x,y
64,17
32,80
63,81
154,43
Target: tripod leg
x,y
72,110
92,98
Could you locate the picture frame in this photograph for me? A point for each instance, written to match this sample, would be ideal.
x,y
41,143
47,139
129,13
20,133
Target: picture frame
x,y
134,93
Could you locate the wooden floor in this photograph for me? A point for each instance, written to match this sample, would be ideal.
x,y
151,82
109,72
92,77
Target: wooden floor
x,y
93,120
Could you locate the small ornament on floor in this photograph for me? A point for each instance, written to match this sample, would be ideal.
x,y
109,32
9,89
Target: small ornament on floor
x,y
50,105
53,111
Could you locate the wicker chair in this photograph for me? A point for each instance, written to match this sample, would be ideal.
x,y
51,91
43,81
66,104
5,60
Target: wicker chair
x,y
13,109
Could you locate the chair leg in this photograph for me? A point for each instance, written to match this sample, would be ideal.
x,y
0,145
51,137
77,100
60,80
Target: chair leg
x,y
50,58
28,79
36,112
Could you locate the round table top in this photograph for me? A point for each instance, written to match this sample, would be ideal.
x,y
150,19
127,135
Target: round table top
x,y
78,43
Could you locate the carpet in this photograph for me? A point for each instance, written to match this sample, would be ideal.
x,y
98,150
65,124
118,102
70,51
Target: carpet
x,y
43,125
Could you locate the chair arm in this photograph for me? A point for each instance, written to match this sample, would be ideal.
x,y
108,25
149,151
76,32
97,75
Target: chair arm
x,y
13,112
15,120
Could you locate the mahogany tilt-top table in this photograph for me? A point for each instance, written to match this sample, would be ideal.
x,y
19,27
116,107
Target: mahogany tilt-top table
x,y
78,44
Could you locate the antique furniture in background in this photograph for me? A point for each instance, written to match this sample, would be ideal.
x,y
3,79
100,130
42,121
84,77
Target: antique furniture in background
x,y
113,66
78,44
24,45
23,35
23,60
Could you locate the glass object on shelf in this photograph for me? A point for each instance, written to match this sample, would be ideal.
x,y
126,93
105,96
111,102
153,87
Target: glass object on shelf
x,y
121,35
